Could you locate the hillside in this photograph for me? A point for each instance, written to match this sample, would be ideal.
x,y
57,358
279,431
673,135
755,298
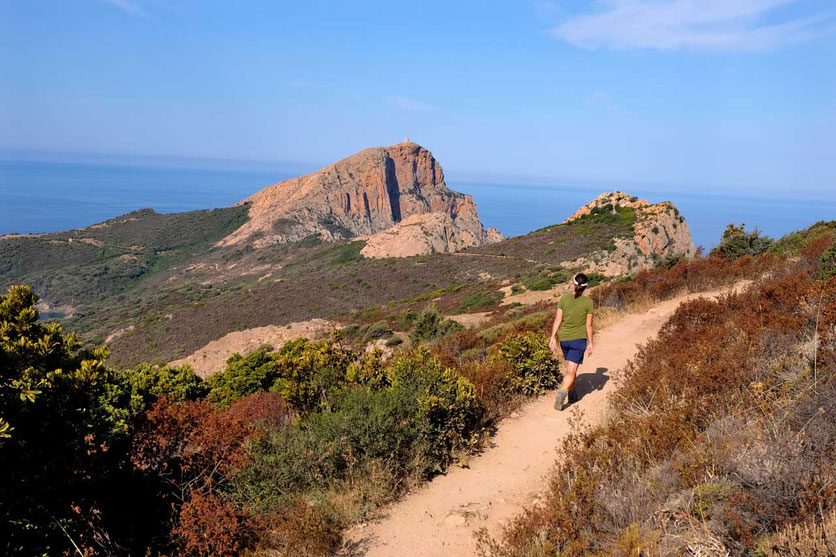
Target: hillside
x,y
159,287
299,449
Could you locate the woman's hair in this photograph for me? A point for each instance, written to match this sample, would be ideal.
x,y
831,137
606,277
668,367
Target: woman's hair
x,y
581,282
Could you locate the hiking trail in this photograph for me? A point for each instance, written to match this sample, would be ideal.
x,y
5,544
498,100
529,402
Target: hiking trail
x,y
440,518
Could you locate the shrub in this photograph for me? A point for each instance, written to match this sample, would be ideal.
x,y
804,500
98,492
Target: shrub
x,y
736,242
482,299
63,423
430,325
149,383
405,320
376,330
827,263
255,373
808,539
208,525
307,374
532,367
332,446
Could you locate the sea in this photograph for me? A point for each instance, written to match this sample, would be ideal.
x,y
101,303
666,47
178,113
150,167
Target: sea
x,y
53,196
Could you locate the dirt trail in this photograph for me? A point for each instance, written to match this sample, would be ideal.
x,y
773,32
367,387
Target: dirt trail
x,y
440,518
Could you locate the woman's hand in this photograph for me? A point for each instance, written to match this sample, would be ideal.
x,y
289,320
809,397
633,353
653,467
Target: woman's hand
x,y
553,345
589,349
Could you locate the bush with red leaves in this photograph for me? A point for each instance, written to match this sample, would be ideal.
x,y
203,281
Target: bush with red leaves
x,y
193,449
209,525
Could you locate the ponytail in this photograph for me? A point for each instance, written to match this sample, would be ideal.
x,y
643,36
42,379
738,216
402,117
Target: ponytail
x,y
581,282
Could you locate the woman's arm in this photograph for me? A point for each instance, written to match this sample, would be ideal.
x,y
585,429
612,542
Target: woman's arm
x,y
589,318
558,317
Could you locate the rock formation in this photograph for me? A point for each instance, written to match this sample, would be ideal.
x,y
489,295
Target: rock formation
x,y
428,233
659,232
363,195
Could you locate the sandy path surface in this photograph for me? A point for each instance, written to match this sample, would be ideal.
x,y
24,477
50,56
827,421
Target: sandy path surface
x,y
440,518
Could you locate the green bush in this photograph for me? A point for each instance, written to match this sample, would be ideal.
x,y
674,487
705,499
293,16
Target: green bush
x,y
148,383
374,331
793,243
532,368
449,410
413,426
332,446
736,242
670,261
63,420
539,284
482,299
430,325
405,320
255,373
827,263
308,375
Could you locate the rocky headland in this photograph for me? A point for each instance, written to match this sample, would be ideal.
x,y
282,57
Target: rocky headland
x,y
398,191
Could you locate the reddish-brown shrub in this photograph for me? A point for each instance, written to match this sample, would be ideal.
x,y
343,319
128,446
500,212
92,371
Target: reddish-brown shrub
x,y
194,448
735,361
209,526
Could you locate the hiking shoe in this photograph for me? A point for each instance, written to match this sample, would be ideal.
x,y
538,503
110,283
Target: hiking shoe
x,y
573,396
560,401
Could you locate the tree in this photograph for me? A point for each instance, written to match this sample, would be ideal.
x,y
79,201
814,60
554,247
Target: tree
x,y
62,421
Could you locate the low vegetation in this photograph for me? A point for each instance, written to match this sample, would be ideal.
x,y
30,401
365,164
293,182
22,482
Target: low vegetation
x,y
721,434
721,437
283,449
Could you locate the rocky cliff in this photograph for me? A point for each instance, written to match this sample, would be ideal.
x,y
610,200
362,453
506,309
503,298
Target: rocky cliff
x,y
659,231
376,190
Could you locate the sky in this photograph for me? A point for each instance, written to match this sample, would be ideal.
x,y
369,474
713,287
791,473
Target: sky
x,y
683,95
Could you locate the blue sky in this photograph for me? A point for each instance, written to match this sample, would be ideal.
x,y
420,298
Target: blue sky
x,y
683,95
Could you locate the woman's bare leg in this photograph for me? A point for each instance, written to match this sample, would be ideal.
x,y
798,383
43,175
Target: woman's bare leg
x,y
569,378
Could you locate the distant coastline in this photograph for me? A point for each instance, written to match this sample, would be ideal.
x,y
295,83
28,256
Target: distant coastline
x,y
50,196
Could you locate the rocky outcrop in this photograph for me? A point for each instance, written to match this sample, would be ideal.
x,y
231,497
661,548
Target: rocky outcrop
x,y
659,232
428,233
365,194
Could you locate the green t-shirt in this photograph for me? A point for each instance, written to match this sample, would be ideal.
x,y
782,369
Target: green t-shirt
x,y
575,310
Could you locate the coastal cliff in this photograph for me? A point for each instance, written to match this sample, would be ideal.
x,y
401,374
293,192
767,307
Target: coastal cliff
x,y
376,190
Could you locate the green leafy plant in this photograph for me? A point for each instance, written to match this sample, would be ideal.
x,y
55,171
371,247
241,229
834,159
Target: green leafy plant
x,y
430,325
531,366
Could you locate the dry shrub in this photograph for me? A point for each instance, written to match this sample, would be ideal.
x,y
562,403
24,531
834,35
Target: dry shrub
x,y
808,539
193,449
208,525
721,428
303,530
487,378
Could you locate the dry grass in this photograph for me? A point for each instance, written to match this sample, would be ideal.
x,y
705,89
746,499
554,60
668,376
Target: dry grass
x,y
808,539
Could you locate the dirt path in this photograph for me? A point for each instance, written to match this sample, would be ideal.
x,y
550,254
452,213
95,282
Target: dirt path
x,y
440,518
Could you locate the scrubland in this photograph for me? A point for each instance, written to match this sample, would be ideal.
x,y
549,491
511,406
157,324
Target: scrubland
x,y
720,434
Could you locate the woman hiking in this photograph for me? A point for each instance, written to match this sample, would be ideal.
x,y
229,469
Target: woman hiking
x,y
573,330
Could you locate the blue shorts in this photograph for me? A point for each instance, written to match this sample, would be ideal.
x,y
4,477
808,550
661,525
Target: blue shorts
x,y
573,350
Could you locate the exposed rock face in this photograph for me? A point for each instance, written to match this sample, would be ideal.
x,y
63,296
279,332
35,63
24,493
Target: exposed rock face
x,y
362,195
428,233
660,231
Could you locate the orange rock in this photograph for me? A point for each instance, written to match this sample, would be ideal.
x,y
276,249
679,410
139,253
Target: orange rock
x,y
362,195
